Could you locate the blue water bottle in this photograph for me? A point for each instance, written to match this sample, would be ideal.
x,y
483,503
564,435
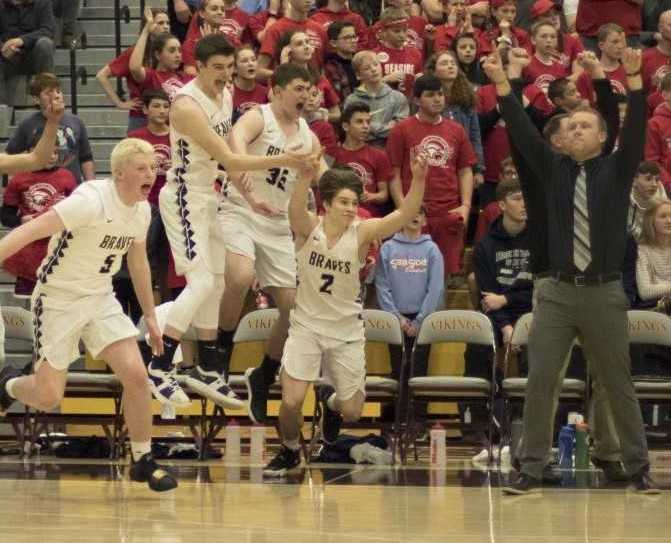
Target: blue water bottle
x,y
566,446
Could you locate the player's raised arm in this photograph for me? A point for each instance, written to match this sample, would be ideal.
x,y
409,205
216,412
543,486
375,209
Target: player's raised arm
x,y
189,119
43,226
373,229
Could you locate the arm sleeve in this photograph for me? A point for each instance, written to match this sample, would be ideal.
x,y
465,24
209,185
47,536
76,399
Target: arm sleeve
x,y
630,150
629,271
475,137
434,288
648,290
385,297
524,135
44,27
606,104
9,215
485,275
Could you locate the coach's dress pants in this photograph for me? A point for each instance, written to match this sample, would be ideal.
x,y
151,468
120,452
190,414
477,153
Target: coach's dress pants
x,y
599,315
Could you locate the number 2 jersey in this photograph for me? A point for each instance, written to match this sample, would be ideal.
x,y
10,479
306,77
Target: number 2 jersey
x,y
273,186
99,229
328,297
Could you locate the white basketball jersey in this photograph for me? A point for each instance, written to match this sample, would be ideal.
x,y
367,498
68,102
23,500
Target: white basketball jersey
x,y
328,296
99,229
275,185
191,164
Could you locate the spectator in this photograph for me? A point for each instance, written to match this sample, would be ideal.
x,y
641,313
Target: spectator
x,y
74,149
465,47
294,46
492,211
409,278
459,103
387,106
371,163
296,18
659,132
157,132
338,69
449,181
26,40
26,197
67,11
547,11
656,60
653,267
503,29
400,60
264,19
247,92
166,56
119,67
338,10
564,96
594,13
317,119
647,190
611,43
546,65
650,11
215,16
416,26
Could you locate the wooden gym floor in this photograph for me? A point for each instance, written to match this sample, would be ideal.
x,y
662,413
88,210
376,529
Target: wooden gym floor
x,y
71,501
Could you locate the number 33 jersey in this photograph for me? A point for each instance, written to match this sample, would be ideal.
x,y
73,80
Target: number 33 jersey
x,y
99,229
328,299
274,186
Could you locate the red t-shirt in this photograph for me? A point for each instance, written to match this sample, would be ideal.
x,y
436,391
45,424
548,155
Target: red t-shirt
x,y
315,32
520,38
325,134
372,165
257,23
324,17
594,13
244,100
408,60
618,82
33,193
330,96
235,27
120,67
416,33
170,82
541,74
445,35
449,151
161,146
654,66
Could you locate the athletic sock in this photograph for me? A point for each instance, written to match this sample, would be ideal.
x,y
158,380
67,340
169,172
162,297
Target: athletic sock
x,y
208,356
164,361
139,448
225,338
331,402
269,366
9,385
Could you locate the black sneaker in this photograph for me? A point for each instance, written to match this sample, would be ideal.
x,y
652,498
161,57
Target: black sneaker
x,y
642,483
257,395
214,386
612,470
523,484
146,470
284,461
551,473
329,424
6,400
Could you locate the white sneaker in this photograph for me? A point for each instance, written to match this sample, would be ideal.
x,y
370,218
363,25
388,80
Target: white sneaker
x,y
213,385
505,455
165,388
367,453
481,458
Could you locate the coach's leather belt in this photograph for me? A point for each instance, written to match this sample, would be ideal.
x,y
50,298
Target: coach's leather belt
x,y
581,280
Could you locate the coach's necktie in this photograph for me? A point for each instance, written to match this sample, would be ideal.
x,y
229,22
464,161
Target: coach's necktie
x,y
582,255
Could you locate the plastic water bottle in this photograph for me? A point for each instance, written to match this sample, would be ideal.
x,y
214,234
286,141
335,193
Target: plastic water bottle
x,y
233,441
438,437
566,440
581,446
257,446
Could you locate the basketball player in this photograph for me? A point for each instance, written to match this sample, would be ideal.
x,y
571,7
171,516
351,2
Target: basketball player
x,y
326,329
91,231
200,119
40,156
263,245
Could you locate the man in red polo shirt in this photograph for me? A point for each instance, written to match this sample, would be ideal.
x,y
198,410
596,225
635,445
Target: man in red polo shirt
x,y
449,181
594,13
656,61
296,18
338,10
400,60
